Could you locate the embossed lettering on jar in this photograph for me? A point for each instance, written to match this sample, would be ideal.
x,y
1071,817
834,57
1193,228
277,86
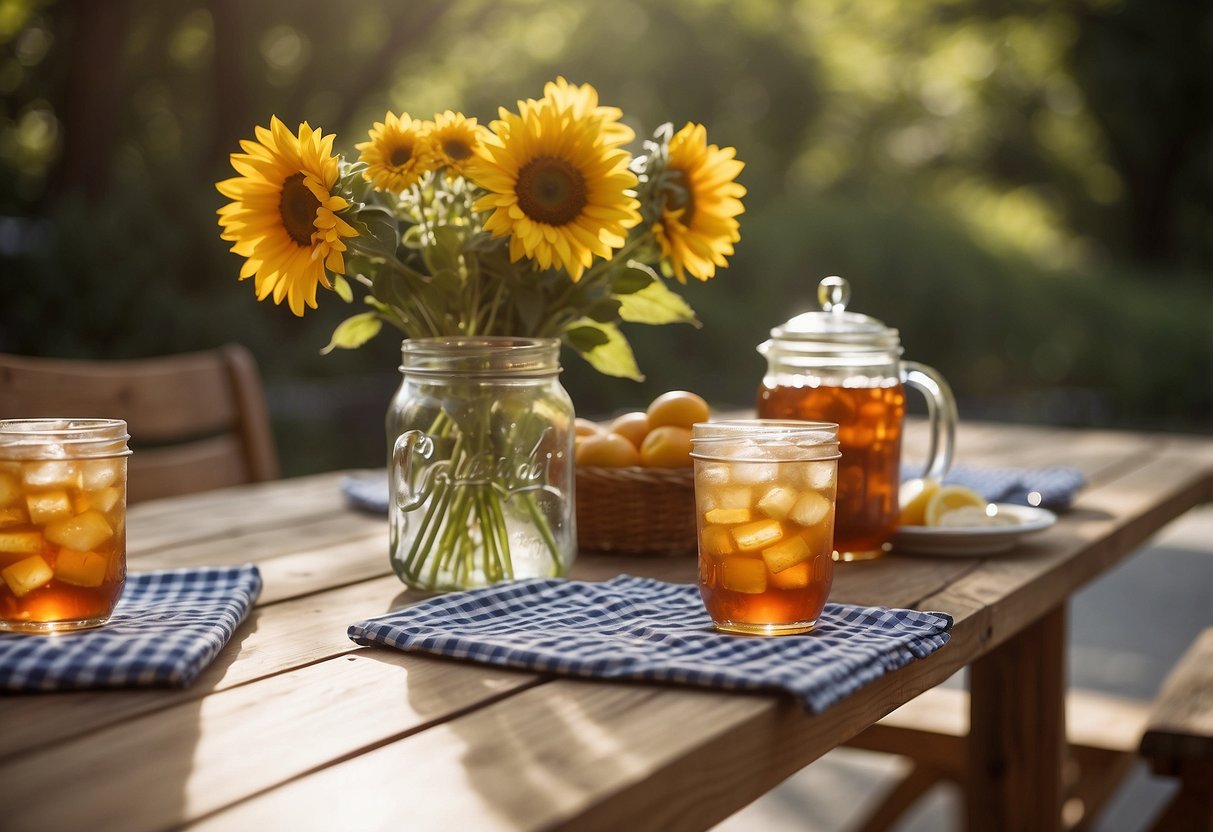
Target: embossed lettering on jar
x,y
480,440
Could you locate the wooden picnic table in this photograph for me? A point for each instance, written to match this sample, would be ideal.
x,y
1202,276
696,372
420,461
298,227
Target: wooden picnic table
x,y
296,727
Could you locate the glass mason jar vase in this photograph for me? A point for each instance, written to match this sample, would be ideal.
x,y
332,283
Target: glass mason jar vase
x,y
62,522
480,466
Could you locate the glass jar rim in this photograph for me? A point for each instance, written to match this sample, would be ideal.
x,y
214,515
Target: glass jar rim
x,y
480,355
761,432
734,428
84,437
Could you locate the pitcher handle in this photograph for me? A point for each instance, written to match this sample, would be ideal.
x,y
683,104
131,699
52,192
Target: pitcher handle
x,y
941,411
399,470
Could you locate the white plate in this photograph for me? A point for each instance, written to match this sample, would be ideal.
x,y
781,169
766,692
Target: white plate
x,y
974,540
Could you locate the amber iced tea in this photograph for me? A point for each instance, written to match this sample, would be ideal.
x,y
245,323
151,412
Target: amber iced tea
x,y
766,521
869,436
62,523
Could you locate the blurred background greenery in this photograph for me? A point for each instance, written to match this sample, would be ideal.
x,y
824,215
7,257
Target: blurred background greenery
x,y
1022,187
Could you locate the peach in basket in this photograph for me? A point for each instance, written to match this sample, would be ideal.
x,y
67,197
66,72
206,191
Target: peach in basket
x,y
635,482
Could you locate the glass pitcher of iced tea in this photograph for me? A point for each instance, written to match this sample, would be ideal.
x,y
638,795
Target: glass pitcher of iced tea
x,y
840,366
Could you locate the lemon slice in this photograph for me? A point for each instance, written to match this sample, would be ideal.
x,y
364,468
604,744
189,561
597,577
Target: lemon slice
x,y
913,498
975,517
949,498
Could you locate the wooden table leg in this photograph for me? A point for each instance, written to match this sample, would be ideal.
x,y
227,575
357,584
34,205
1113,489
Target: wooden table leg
x,y
1017,730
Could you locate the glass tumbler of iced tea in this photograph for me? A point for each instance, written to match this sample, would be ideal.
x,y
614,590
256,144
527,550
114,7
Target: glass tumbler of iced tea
x,y
839,366
764,503
62,522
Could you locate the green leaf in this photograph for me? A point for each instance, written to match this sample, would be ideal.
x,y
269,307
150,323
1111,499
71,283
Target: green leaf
x,y
632,279
528,303
377,233
342,287
411,238
656,305
604,347
605,311
354,331
585,336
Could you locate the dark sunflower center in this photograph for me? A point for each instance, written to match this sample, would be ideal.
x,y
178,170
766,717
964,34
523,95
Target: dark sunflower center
x,y
401,155
551,190
298,209
456,149
680,196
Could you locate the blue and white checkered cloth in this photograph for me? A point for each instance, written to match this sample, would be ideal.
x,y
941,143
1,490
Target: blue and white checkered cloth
x,y
366,491
1051,488
639,628
167,628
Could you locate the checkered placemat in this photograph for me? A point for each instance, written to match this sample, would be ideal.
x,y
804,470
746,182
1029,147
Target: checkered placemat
x,y
167,628
366,491
1051,488
639,628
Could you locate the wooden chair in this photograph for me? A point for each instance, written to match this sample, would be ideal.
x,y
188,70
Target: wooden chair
x,y
197,420
1178,741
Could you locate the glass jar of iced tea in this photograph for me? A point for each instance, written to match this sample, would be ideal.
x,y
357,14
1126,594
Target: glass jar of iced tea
x,y
62,522
764,507
840,366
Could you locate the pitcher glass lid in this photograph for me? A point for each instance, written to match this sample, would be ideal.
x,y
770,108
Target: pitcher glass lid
x,y
834,324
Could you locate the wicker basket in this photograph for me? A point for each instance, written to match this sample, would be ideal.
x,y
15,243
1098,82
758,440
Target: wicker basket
x,y
636,511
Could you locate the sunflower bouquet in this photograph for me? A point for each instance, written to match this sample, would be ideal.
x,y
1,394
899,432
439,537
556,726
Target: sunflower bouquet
x,y
541,224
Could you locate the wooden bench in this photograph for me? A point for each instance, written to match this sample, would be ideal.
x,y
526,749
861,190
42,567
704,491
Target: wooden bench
x,y
1103,732
1178,741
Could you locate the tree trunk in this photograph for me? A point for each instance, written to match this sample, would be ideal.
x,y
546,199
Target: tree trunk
x,y
91,95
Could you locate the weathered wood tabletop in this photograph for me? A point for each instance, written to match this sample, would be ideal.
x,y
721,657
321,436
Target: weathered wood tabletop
x,y
294,726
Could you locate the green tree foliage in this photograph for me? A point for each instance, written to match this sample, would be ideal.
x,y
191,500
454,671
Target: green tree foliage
x,y
1021,186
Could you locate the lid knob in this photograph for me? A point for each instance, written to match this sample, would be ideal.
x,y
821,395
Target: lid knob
x,y
833,293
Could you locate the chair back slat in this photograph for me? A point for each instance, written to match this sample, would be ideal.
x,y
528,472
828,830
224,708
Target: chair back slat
x,y
197,420
169,471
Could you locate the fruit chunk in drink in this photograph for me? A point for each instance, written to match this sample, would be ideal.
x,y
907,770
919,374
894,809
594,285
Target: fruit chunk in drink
x,y
765,541
62,542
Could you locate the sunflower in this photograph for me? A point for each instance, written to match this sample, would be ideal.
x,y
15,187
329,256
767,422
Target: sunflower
x,y
398,153
555,188
583,101
283,217
699,202
455,141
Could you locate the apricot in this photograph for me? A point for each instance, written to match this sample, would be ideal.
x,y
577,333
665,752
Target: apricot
x,y
608,450
586,427
668,446
677,408
633,426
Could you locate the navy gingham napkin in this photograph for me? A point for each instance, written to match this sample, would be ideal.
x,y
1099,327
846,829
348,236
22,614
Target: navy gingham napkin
x,y
167,628
366,492
1052,488
640,628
